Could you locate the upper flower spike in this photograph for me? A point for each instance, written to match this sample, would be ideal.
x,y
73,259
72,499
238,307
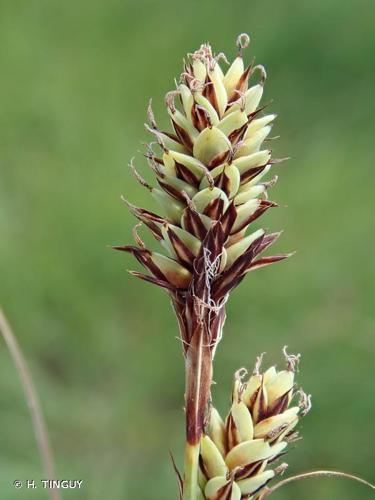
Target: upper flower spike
x,y
209,178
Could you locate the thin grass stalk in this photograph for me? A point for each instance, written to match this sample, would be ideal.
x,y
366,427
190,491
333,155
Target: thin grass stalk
x,y
315,474
33,403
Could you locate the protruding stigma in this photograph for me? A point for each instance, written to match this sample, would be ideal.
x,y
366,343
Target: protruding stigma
x,y
242,42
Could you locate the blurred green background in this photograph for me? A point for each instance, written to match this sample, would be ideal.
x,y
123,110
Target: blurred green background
x,y
75,82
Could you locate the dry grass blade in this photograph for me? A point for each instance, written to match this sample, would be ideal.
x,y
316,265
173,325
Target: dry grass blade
x,y
317,473
32,402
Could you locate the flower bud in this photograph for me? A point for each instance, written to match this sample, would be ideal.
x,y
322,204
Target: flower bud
x,y
176,274
239,425
220,488
172,207
234,251
233,75
211,146
226,177
257,124
216,430
253,143
207,198
216,77
253,484
247,453
212,460
232,122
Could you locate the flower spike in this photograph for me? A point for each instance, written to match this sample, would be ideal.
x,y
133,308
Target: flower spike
x,y
212,189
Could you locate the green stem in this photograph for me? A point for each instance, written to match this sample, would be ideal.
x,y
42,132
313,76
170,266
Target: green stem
x,y
191,472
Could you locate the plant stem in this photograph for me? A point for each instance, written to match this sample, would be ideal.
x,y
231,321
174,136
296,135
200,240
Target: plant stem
x,y
198,382
33,402
191,471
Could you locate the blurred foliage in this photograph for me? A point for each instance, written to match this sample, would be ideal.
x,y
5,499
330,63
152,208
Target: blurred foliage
x,y
75,83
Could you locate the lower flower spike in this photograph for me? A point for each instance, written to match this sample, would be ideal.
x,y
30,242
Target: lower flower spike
x,y
236,454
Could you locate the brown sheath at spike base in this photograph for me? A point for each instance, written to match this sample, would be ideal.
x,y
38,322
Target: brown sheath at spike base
x,y
198,360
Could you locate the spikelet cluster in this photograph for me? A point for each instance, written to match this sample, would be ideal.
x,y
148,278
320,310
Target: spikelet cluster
x,y
236,455
210,186
209,180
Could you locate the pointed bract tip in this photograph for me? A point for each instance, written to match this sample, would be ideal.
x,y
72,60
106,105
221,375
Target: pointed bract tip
x,y
122,248
129,205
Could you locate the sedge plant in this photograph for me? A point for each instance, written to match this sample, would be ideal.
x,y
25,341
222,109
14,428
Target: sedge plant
x,y
211,185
